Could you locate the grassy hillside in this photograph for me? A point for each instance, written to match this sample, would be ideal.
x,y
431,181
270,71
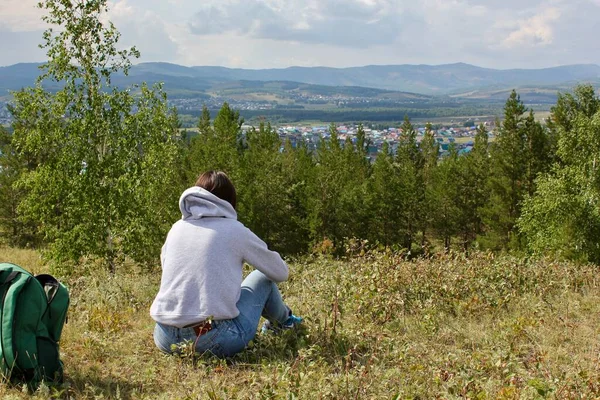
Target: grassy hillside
x,y
377,326
532,95
295,88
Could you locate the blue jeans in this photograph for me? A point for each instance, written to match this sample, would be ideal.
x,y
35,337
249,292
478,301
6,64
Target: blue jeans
x,y
259,297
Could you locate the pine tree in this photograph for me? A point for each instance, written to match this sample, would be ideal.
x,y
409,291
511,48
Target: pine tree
x,y
362,144
204,127
430,153
326,192
407,144
537,150
298,171
507,178
386,201
338,192
474,188
409,161
263,203
447,193
357,169
218,147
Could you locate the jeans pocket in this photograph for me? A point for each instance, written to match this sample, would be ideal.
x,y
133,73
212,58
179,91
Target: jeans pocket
x,y
224,340
209,342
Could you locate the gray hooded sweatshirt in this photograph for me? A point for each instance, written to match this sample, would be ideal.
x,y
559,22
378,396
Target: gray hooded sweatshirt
x,y
202,261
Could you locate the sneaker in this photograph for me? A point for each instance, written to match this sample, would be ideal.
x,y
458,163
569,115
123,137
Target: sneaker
x,y
289,323
266,327
292,321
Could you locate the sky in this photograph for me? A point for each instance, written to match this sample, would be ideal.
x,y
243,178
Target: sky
x,y
336,33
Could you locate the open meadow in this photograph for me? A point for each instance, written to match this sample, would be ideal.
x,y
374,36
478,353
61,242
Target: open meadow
x,y
377,327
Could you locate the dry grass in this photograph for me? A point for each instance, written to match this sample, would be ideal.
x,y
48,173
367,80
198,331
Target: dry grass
x,y
377,327
30,259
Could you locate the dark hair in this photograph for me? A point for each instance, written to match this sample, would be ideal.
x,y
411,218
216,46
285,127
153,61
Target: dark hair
x,y
219,184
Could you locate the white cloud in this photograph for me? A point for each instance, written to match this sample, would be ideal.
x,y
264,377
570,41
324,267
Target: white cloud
x,y
144,29
20,15
535,31
348,23
120,9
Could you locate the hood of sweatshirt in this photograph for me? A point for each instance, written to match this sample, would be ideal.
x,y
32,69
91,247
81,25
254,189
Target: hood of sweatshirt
x,y
196,203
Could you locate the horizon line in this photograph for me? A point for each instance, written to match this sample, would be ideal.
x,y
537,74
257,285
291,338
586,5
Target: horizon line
x,y
338,68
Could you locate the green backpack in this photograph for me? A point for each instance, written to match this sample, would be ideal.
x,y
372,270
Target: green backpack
x,y
33,310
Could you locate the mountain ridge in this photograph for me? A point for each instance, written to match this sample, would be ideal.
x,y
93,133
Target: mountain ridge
x,y
443,79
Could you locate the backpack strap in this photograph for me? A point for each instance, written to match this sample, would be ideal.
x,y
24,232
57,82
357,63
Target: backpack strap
x,y
10,277
7,325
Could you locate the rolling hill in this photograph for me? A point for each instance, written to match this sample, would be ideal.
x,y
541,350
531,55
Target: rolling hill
x,y
450,79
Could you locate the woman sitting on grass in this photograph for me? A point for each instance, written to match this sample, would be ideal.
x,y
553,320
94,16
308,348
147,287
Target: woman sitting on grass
x,y
202,297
